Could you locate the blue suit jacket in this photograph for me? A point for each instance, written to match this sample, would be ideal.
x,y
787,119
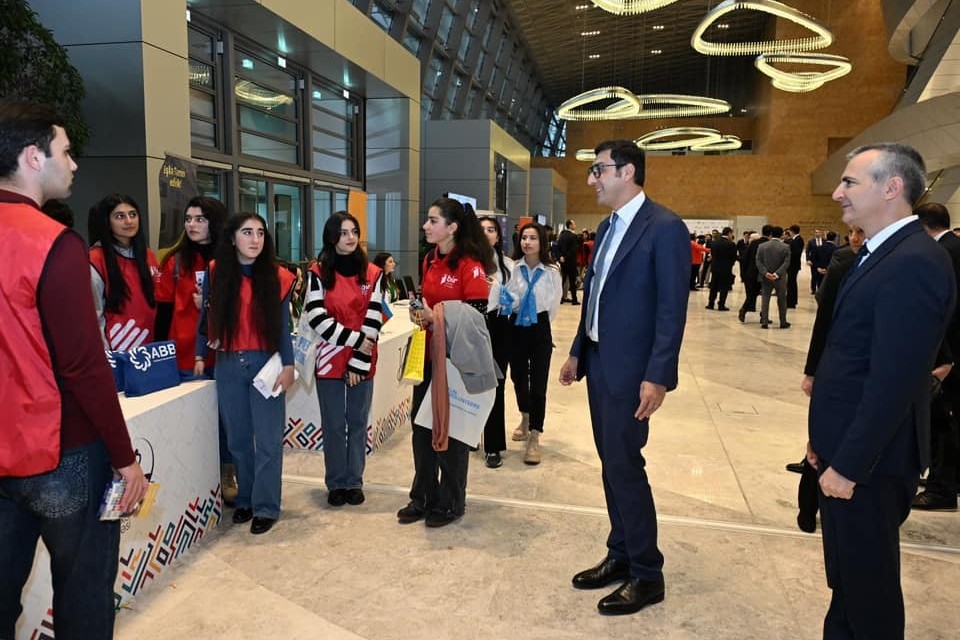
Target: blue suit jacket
x,y
870,406
643,305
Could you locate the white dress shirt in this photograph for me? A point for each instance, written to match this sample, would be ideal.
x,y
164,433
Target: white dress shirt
x,y
881,236
547,291
626,214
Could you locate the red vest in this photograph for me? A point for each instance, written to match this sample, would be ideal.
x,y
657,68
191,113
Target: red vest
x,y
183,325
30,438
347,304
247,338
132,326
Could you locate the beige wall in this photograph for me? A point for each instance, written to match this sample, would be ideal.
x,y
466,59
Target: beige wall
x,y
791,133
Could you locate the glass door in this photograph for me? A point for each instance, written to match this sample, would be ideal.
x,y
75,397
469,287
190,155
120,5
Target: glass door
x,y
287,221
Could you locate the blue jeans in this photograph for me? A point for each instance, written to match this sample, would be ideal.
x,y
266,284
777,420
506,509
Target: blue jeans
x,y
254,426
343,415
61,507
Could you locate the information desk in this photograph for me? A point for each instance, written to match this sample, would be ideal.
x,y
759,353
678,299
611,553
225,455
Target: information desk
x,y
174,432
389,409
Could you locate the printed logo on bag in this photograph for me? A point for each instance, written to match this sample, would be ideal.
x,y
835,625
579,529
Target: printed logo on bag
x,y
449,280
142,358
111,360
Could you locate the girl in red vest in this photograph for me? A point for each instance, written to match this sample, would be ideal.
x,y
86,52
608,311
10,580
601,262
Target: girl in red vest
x,y
124,273
182,271
344,305
455,269
247,307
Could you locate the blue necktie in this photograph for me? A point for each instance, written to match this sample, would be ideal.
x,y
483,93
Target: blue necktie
x,y
862,255
598,269
527,315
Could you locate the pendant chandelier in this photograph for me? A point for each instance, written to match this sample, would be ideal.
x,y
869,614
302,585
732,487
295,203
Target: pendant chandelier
x,y
802,81
821,38
694,138
643,107
631,7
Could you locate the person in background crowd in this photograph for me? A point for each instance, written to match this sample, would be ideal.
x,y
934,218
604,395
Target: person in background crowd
x,y
869,406
536,289
388,283
628,347
751,284
60,404
123,272
568,248
246,300
724,254
705,268
455,269
796,244
773,261
344,306
499,306
583,257
823,254
742,245
813,247
697,254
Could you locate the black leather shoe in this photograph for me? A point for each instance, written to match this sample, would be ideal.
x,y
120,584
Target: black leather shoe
x,y
494,460
709,306
807,522
764,325
723,308
242,515
784,325
261,525
354,496
927,501
742,314
795,467
575,303
610,570
337,498
442,517
631,596
410,513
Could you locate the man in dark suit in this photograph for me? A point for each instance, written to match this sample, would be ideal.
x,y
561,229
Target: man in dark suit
x,y
724,255
751,284
628,346
742,245
812,248
796,261
943,482
568,246
869,407
822,256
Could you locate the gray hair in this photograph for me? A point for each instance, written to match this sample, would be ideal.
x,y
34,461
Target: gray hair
x,y
898,160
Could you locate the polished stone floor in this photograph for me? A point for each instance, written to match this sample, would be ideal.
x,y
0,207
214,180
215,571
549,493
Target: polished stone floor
x,y
736,566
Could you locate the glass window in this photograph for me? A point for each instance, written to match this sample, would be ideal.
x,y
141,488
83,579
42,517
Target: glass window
x,y
210,183
471,101
487,33
419,11
453,91
472,12
253,196
426,108
203,89
412,42
287,216
325,202
267,110
436,74
333,120
465,40
446,22
382,16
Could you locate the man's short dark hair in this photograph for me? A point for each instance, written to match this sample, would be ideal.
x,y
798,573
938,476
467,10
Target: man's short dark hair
x,y
933,216
726,230
777,232
23,124
568,224
766,230
795,228
897,160
831,235
626,152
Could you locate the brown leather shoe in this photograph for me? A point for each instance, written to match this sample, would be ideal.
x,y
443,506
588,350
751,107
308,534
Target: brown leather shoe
x,y
610,570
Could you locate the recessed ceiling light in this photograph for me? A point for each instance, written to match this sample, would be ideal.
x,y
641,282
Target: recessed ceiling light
x,y
658,27
656,52
586,34
582,7
594,56
723,25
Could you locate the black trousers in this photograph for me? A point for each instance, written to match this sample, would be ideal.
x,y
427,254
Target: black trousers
x,y
861,549
944,445
752,290
530,355
815,279
720,285
792,294
494,432
440,477
570,272
694,276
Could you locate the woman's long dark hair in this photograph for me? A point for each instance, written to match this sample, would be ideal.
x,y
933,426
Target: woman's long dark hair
x,y
468,239
216,215
387,279
328,253
98,228
545,257
225,287
497,247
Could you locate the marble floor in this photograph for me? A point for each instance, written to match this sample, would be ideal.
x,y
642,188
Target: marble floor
x,y
736,565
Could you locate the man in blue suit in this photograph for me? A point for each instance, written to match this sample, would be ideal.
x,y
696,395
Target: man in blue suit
x,y
869,407
628,345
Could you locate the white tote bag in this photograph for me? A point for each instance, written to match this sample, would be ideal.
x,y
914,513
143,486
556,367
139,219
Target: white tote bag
x,y
305,344
468,411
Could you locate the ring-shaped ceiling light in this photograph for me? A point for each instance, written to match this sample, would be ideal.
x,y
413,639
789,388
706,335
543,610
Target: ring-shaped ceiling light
x,y
823,37
725,143
626,106
686,137
586,155
631,7
802,81
643,107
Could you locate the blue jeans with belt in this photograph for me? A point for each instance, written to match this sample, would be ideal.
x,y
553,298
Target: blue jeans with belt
x,y
61,508
344,412
254,427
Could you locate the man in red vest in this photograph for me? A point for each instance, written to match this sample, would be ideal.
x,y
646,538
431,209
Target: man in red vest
x,y
63,432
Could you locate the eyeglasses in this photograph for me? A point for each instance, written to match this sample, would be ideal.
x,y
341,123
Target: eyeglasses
x,y
596,170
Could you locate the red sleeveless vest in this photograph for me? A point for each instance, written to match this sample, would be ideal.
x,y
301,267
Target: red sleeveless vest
x,y
246,338
133,325
30,441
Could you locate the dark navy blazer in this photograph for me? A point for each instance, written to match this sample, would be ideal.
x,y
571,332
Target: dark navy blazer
x,y
870,406
643,305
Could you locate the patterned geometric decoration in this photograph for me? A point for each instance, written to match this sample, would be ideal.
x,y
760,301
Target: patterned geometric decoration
x,y
384,428
166,544
45,630
299,434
